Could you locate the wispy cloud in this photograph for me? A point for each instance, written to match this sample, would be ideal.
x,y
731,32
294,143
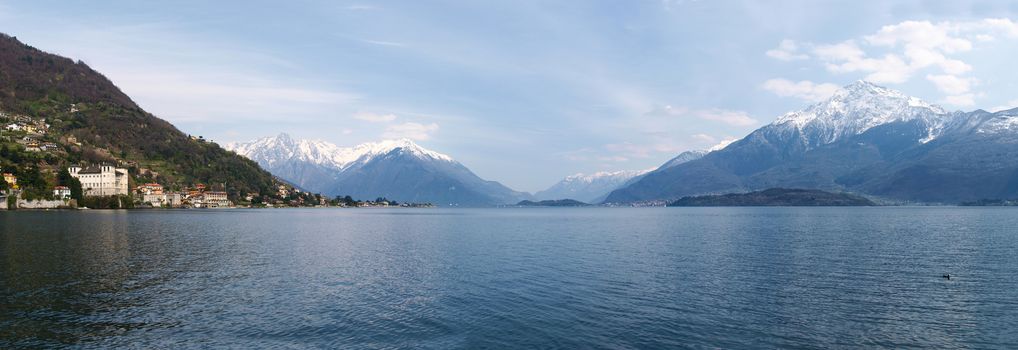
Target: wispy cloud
x,y
805,89
410,130
194,98
375,117
362,7
733,118
382,43
1009,105
787,50
197,80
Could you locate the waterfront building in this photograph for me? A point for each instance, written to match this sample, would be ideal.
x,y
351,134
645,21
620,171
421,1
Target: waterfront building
x,y
101,180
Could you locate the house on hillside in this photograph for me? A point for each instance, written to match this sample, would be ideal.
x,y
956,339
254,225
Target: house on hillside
x,y
150,188
12,181
62,192
151,193
101,180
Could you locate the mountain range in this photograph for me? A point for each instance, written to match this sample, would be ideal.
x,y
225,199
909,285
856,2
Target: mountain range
x,y
594,188
589,188
864,139
402,170
398,170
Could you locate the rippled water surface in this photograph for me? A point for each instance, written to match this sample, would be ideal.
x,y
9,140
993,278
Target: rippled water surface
x,y
498,278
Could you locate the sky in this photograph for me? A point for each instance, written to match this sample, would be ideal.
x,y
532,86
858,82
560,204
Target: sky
x,y
524,92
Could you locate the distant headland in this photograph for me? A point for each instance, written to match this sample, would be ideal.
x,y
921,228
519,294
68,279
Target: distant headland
x,y
775,197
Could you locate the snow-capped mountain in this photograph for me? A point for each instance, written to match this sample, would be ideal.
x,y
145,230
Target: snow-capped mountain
x,y
684,157
589,188
866,139
593,188
283,148
857,108
399,170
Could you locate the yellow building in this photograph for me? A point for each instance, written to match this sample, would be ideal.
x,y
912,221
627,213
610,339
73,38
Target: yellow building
x,y
12,181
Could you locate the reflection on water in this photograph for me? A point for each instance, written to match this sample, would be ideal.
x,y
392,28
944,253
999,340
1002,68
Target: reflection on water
x,y
567,278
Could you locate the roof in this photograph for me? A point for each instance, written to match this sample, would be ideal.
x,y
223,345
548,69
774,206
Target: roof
x,y
93,169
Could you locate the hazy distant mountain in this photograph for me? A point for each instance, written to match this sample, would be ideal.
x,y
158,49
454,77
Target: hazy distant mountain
x,y
865,139
593,188
684,157
589,188
398,170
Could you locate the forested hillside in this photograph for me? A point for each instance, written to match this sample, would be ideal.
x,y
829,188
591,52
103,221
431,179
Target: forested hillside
x,y
64,112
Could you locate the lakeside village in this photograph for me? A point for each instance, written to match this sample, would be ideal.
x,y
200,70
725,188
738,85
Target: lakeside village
x,y
26,185
109,183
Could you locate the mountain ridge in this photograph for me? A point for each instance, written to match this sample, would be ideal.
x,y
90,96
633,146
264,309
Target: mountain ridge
x,y
398,169
865,139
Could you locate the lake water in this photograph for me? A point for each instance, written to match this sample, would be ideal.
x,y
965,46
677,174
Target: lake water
x,y
511,278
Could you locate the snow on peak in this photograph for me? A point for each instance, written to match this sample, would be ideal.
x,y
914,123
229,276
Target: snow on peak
x,y
860,106
1002,122
621,175
406,145
721,145
282,148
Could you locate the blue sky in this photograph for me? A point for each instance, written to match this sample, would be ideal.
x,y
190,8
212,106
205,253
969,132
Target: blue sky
x,y
523,92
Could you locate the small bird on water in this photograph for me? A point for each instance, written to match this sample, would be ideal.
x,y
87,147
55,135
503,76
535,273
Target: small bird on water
x,y
946,276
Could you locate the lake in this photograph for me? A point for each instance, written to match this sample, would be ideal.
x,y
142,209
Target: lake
x,y
622,278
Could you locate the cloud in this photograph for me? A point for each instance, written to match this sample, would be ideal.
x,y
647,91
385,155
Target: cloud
x,y
632,150
787,50
912,46
957,88
951,84
847,57
227,97
669,5
410,130
997,26
361,7
1009,105
623,151
961,100
194,80
375,118
920,35
733,118
382,43
805,90
704,138
844,51
896,53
